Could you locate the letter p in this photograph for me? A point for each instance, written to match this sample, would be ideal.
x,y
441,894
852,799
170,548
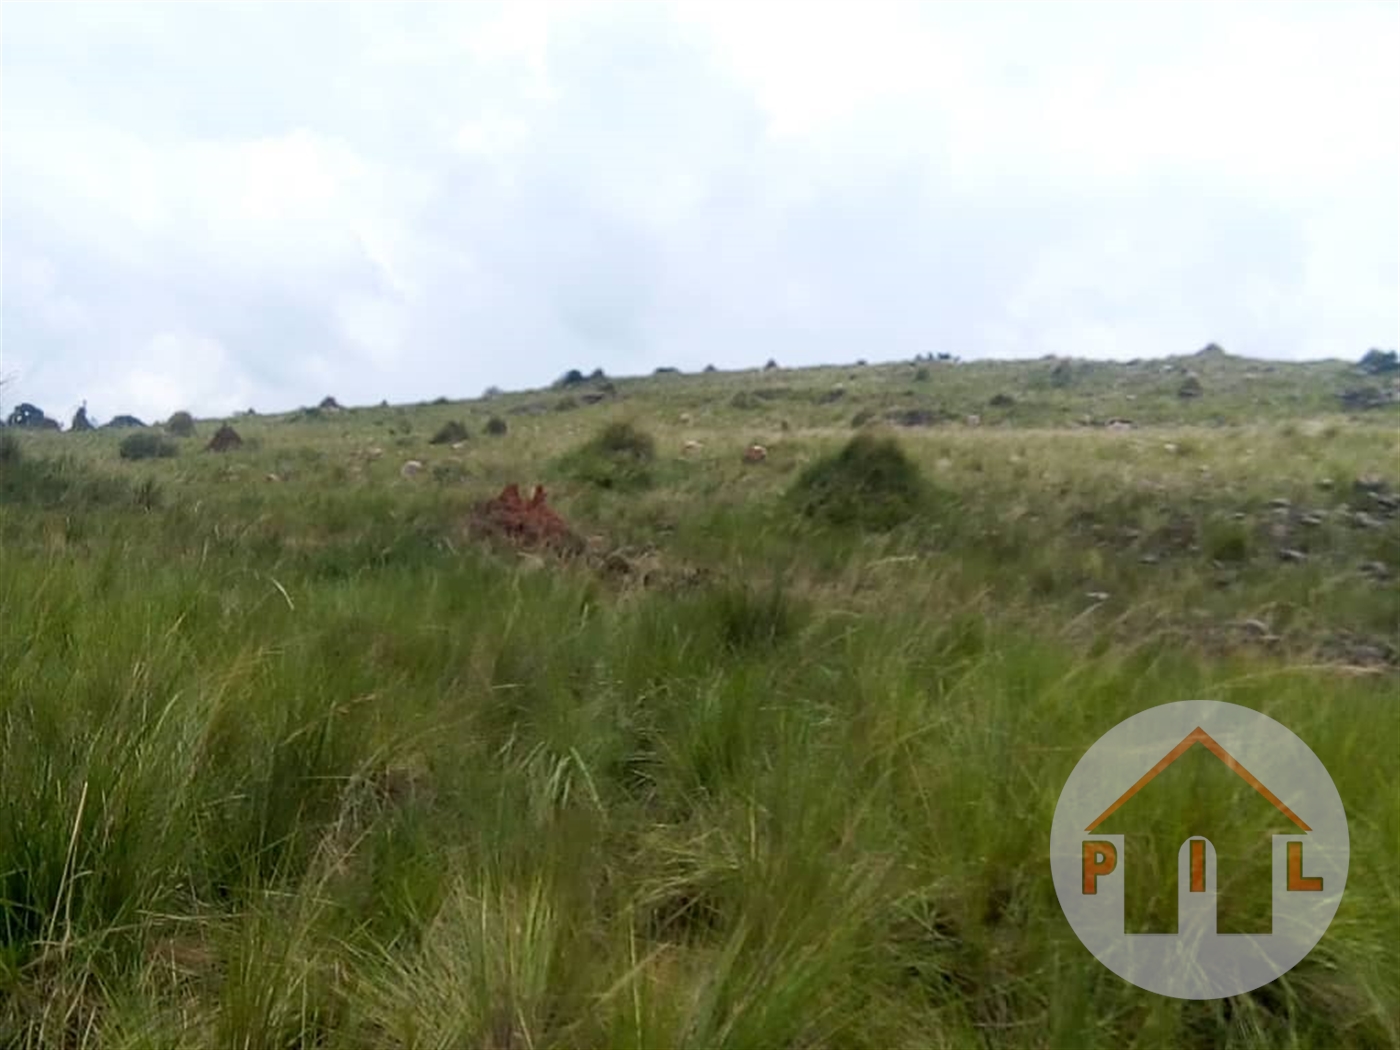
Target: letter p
x,y
1100,858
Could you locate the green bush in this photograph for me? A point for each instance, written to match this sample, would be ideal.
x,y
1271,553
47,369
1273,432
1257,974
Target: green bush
x,y
496,426
146,445
618,457
870,484
449,434
181,424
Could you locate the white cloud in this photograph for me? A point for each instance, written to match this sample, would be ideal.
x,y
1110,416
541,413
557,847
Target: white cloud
x,y
413,200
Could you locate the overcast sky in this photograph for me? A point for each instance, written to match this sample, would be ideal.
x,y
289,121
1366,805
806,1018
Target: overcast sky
x,y
218,206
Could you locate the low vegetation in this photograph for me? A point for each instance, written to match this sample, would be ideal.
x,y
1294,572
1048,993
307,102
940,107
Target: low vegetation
x,y
146,445
299,751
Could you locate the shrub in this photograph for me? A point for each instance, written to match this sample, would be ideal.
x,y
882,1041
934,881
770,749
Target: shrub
x,y
181,424
618,457
10,451
1376,361
1190,387
566,404
861,418
146,446
573,377
922,375
869,484
496,426
1227,541
449,434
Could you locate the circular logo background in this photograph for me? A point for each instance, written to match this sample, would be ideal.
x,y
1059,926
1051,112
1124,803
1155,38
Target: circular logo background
x,y
1291,787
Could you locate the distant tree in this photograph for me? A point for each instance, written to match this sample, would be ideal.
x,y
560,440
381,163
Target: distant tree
x,y
181,424
80,419
1376,362
573,377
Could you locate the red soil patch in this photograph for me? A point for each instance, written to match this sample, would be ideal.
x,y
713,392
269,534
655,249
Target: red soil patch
x,y
525,523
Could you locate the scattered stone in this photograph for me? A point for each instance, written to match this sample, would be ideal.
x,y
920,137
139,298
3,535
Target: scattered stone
x,y
1149,559
692,446
1119,424
225,439
410,468
1367,521
1239,515
755,454
1097,596
273,477
1290,555
1258,628
1311,520
1171,446
1280,504
1369,483
685,419
974,421
1326,484
1375,570
373,453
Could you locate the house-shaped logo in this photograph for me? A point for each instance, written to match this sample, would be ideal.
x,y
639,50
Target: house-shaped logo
x,y
1199,849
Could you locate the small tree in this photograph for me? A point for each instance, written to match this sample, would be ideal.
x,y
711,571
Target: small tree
x,y
1376,362
181,424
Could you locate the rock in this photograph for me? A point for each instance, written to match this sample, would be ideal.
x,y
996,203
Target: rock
x,y
692,446
1375,570
1119,424
1311,520
1369,483
1170,446
1097,596
974,421
410,468
685,419
1290,555
1258,628
755,454
1149,559
1280,504
1326,484
1367,521
373,453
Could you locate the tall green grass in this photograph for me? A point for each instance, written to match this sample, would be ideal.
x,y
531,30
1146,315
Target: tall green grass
x,y
292,763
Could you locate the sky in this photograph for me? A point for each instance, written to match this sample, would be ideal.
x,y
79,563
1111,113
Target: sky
x,y
218,206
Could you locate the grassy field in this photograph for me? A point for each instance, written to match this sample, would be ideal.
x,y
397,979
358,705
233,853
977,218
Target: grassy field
x,y
290,758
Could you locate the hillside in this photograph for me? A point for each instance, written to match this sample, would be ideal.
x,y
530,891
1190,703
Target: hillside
x,y
306,745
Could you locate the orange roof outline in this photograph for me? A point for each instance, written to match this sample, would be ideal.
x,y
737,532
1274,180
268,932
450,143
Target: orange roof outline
x,y
1200,736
